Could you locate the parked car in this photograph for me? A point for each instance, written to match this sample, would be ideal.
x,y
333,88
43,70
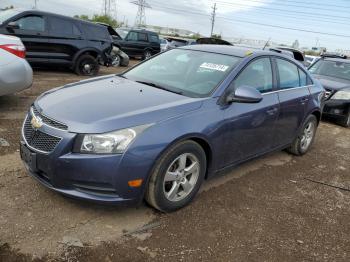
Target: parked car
x,y
139,43
58,40
158,130
164,43
212,41
309,60
334,73
117,56
15,72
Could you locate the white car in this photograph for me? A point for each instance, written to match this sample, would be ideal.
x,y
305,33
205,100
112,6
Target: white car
x,y
15,72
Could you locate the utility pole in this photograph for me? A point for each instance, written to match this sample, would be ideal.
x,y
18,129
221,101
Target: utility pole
x,y
109,8
35,4
140,19
213,16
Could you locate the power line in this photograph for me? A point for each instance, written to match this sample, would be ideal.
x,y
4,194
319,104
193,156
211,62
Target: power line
x,y
109,8
213,15
257,23
313,3
298,6
285,27
140,19
284,10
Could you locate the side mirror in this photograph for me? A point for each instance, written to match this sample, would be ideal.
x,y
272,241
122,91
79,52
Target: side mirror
x,y
244,94
12,25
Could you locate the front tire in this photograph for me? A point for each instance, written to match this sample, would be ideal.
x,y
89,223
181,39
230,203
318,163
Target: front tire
x,y
303,142
177,177
87,65
346,120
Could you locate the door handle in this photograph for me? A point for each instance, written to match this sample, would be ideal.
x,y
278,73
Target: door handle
x,y
272,111
304,100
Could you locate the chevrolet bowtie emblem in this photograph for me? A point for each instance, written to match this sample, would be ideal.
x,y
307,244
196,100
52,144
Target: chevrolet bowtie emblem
x,y
36,122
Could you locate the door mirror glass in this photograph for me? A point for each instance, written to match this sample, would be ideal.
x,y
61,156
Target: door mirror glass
x,y
13,25
244,94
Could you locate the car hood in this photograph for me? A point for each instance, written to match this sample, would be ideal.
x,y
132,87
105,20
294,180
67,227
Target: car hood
x,y
110,103
332,83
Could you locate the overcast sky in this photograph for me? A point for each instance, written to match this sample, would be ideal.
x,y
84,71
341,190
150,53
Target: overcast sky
x,y
235,18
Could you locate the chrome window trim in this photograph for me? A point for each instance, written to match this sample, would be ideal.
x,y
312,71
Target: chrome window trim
x,y
32,148
287,89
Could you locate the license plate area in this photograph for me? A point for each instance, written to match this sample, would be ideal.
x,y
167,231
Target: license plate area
x,y
28,157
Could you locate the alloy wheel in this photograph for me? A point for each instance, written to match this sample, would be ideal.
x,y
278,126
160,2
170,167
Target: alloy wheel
x,y
307,136
181,177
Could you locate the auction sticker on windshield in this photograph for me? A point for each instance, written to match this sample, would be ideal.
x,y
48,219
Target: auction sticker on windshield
x,y
216,67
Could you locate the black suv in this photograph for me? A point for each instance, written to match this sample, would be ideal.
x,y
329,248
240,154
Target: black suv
x,y
59,40
333,71
139,42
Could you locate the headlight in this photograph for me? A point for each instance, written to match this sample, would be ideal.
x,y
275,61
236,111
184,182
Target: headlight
x,y
110,143
343,95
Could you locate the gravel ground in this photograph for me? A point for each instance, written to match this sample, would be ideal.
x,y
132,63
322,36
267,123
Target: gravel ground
x,y
264,210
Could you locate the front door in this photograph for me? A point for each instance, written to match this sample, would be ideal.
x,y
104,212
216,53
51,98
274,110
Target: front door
x,y
250,128
33,31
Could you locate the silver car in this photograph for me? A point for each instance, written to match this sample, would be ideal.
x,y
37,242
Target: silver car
x,y
15,72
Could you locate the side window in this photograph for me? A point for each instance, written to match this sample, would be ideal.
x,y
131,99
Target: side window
x,y
60,26
76,30
257,74
32,23
154,39
132,36
142,37
288,74
303,78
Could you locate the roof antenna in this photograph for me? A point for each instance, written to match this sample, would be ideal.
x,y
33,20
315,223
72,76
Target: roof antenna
x,y
267,42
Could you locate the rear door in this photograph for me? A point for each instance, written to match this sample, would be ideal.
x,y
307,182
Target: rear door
x,y
33,31
65,40
250,128
294,95
135,43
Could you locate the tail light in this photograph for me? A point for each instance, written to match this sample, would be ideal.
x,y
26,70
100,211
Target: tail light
x,y
17,50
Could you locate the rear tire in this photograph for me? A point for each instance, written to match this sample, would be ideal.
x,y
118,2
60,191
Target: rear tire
x,y
87,65
303,142
177,177
146,54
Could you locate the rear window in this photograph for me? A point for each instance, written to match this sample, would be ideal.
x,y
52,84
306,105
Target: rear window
x,y
96,32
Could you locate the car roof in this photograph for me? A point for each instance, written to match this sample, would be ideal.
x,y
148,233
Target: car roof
x,y
230,50
38,12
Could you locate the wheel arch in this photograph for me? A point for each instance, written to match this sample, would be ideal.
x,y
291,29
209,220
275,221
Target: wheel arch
x,y
87,51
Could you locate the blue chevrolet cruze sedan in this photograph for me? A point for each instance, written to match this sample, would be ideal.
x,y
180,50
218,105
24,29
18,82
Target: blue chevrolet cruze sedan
x,y
157,131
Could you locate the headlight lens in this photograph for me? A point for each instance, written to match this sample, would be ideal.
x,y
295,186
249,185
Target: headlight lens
x,y
110,143
343,95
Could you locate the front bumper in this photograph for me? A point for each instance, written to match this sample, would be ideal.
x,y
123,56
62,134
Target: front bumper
x,y
97,178
336,108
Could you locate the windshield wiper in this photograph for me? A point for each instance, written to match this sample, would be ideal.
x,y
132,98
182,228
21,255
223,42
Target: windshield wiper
x,y
159,87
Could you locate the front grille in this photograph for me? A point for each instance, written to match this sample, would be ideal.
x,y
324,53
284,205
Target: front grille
x,y
38,140
48,121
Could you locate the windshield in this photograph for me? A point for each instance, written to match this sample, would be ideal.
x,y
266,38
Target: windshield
x,y
4,15
191,73
338,69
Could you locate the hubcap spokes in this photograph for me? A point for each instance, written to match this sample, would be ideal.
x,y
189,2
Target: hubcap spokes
x,y
181,177
307,136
